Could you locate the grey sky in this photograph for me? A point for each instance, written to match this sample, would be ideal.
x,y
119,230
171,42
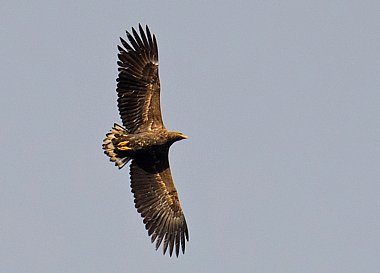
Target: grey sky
x,y
280,100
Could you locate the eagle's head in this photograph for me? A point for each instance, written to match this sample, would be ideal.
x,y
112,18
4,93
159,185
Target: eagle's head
x,y
176,136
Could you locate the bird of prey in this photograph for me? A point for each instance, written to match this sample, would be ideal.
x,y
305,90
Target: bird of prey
x,y
145,140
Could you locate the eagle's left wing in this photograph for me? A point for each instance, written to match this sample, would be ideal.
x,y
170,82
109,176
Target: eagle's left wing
x,y
156,198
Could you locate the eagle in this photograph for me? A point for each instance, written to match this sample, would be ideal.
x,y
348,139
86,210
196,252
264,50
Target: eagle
x,y
145,141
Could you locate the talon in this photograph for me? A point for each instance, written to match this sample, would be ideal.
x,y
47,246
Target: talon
x,y
123,143
123,146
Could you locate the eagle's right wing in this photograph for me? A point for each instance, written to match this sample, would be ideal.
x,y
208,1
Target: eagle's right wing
x,y
138,83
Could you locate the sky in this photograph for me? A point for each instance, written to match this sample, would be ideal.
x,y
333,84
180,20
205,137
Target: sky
x,y
280,100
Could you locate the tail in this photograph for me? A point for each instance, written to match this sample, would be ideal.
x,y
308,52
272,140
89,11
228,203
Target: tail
x,y
109,148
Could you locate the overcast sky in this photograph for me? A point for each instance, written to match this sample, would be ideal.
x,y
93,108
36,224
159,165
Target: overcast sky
x,y
281,103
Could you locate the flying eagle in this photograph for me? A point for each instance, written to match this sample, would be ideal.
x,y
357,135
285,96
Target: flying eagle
x,y
145,140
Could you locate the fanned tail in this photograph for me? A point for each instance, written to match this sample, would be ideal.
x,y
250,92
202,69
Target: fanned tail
x,y
109,148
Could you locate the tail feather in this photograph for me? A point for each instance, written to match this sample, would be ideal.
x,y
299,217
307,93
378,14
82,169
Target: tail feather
x,y
109,148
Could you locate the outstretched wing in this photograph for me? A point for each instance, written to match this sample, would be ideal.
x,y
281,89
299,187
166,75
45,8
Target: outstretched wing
x,y
156,198
138,83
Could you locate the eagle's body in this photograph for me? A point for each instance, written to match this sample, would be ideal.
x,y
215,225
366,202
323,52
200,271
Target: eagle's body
x,y
146,142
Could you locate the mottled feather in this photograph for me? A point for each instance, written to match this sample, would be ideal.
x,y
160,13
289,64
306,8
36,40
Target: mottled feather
x,y
156,198
138,83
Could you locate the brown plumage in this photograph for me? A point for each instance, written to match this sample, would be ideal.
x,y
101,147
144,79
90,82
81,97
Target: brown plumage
x,y
146,141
